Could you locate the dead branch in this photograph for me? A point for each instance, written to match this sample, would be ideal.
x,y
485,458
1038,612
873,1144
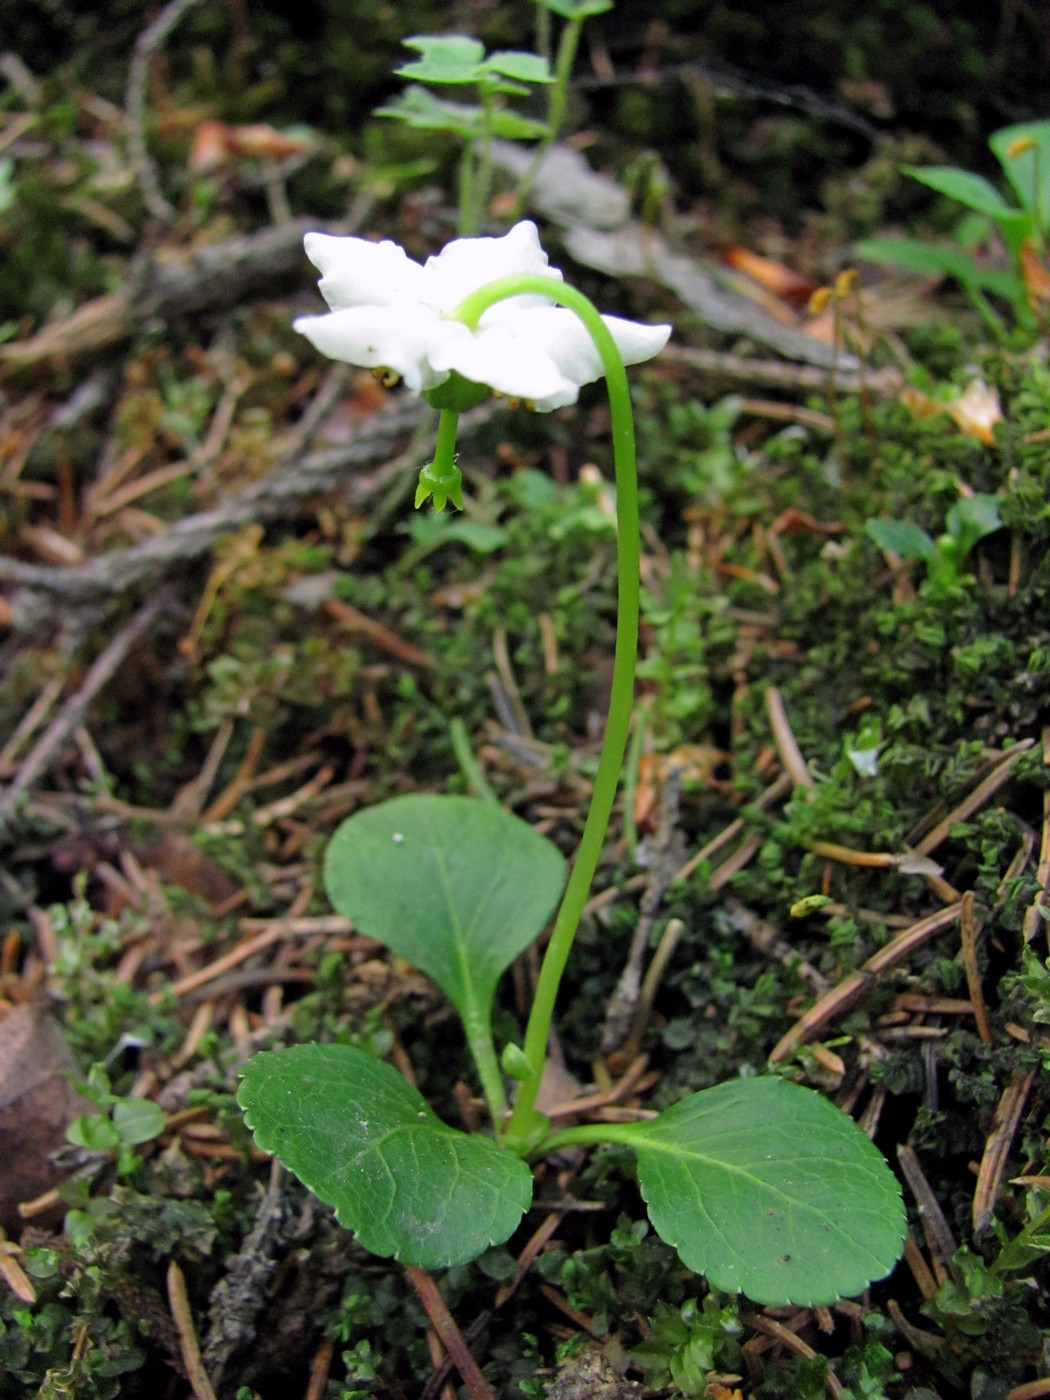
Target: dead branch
x,y
206,278
275,496
146,45
72,714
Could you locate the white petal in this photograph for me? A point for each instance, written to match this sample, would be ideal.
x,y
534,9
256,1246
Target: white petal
x,y
468,263
394,337
635,340
356,272
562,335
497,357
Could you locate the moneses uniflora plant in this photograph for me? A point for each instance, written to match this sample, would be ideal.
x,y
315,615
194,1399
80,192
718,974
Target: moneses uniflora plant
x,y
761,1185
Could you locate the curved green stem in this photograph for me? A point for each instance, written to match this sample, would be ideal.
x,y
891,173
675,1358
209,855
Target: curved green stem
x,y
524,1122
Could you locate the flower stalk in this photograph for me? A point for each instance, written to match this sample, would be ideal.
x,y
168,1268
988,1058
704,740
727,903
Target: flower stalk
x,y
525,1125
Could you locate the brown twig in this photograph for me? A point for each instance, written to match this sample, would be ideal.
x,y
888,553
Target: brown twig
x,y
993,1162
970,927
320,1366
276,495
920,1270
451,1338
783,1334
787,745
776,790
939,1238
189,1347
842,995
1031,1390
975,799
146,45
1034,915
72,714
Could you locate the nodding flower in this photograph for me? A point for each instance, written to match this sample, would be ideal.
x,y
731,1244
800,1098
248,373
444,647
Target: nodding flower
x,y
390,312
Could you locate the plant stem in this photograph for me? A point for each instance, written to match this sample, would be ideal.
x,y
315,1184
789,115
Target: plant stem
x,y
523,1121
543,30
466,191
559,93
445,446
478,1028
589,1135
484,184
468,764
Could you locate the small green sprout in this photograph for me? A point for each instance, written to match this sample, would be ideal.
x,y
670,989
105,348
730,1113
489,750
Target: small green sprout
x,y
968,522
120,1125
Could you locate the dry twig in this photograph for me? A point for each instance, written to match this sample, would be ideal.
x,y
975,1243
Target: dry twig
x,y
72,715
188,1344
993,1162
847,991
146,45
451,1337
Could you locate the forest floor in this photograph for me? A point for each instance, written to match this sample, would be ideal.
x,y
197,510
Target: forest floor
x,y
225,629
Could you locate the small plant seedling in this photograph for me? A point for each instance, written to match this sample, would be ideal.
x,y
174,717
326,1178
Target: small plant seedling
x,y
1023,151
119,1126
967,523
457,60
763,1186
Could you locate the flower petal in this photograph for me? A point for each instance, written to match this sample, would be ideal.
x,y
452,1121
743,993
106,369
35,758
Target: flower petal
x,y
496,356
468,263
394,337
565,339
356,272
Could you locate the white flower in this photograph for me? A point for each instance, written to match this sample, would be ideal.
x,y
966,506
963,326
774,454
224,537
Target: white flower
x,y
389,311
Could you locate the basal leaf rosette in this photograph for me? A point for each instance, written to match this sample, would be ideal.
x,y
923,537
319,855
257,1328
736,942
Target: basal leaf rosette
x,y
391,312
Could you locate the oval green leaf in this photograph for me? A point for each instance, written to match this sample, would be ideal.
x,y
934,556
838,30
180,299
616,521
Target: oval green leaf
x,y
455,885
902,537
768,1189
363,1140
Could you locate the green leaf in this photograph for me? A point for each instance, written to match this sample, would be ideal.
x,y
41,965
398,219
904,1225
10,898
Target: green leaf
x,y
95,1131
768,1189
525,67
511,127
901,537
455,885
363,1140
1029,170
932,260
418,108
138,1120
447,58
578,9
972,190
970,519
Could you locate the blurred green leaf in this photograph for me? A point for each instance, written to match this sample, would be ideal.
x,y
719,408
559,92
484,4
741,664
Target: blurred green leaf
x,y
901,537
